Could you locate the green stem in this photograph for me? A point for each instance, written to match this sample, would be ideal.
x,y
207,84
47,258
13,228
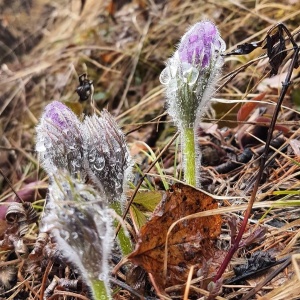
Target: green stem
x,y
124,239
189,156
99,290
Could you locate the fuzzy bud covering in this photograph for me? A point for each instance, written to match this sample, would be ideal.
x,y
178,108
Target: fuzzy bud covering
x,y
59,140
96,148
81,225
191,73
107,158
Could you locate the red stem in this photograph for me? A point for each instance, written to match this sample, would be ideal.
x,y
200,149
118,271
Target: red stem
x,y
285,86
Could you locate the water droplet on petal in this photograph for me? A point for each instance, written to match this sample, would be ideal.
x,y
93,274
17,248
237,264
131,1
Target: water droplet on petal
x,y
99,163
74,235
92,156
65,234
165,76
80,215
47,144
190,75
40,147
117,185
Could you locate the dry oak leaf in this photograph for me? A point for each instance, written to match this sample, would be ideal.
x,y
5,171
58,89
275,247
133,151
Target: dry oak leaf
x,y
190,243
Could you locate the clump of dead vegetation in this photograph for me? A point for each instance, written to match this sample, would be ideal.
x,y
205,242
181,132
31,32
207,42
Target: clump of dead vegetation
x,y
122,46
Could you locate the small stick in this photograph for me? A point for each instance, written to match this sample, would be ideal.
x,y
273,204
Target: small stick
x,y
263,158
11,186
145,174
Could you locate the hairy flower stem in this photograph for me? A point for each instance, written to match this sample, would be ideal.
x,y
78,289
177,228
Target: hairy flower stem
x,y
124,239
189,77
99,290
189,156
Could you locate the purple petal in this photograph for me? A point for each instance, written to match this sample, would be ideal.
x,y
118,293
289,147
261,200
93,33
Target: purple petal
x,y
196,44
59,114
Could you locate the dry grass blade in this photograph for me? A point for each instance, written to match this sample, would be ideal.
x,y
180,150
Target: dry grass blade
x,y
122,46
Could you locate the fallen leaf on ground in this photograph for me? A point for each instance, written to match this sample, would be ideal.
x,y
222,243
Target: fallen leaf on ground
x,y
190,243
248,107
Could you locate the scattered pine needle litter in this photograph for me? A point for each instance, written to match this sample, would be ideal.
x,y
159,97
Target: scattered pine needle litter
x,y
122,47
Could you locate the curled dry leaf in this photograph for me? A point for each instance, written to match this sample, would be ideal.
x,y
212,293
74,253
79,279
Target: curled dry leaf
x,y
27,193
40,243
248,107
22,214
190,243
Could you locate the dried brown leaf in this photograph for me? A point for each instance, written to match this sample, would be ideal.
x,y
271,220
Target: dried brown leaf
x,y
248,107
190,243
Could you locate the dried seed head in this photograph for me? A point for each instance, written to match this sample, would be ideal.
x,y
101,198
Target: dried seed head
x,y
81,225
191,73
8,275
59,140
107,158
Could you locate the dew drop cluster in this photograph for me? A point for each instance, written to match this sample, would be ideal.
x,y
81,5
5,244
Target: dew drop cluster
x,y
94,149
81,225
59,140
190,74
107,158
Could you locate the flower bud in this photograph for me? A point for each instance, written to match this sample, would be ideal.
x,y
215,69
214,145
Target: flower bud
x,y
191,73
59,140
107,158
82,227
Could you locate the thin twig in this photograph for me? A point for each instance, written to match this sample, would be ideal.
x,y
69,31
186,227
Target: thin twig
x,y
142,179
263,159
11,186
126,287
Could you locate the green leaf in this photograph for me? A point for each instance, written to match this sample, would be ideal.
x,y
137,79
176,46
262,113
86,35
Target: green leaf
x,y
139,217
296,98
287,192
148,200
152,156
287,203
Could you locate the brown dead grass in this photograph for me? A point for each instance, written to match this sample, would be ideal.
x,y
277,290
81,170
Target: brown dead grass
x,y
124,51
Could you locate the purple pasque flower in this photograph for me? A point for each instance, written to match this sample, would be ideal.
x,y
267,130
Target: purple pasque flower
x,y
95,148
199,43
107,159
81,225
59,114
191,73
59,140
